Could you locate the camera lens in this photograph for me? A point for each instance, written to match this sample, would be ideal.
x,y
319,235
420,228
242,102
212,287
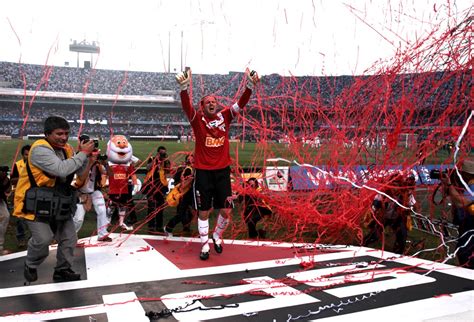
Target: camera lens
x,y
435,174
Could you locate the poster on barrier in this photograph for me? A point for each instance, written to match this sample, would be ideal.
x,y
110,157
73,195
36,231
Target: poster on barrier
x,y
257,175
314,177
306,178
276,178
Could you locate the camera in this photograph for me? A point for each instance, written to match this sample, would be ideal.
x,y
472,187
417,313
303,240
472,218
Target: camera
x,y
85,138
436,173
4,168
163,156
453,176
102,157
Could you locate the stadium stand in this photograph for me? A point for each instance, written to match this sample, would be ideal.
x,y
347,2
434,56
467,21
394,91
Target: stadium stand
x,y
147,104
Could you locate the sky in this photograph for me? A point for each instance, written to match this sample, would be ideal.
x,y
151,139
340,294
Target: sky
x,y
288,37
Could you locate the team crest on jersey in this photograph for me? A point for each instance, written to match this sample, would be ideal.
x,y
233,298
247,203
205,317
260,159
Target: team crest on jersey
x,y
217,123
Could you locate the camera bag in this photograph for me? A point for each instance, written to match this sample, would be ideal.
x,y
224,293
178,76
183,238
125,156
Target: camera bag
x,y
49,203
42,202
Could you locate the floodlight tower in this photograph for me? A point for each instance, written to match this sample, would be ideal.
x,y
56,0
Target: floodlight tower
x,y
201,23
85,47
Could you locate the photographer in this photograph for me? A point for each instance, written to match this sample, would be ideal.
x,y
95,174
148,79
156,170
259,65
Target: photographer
x,y
14,175
156,187
463,210
254,208
387,213
5,189
183,181
51,165
89,185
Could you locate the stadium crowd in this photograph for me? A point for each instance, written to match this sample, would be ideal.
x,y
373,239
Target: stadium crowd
x,y
276,89
282,100
118,115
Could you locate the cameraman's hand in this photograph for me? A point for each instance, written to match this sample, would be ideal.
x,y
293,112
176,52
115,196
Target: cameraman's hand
x,y
86,147
93,156
183,79
445,181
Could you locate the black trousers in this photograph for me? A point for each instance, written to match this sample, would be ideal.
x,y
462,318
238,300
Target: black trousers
x,y
398,225
156,206
252,216
184,213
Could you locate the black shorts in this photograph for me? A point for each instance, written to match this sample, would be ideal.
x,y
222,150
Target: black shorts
x,y
122,201
212,189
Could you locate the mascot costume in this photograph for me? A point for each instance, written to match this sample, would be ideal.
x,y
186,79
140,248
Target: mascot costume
x,y
120,171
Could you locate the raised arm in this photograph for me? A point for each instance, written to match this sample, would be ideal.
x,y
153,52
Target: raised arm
x,y
46,159
252,80
183,79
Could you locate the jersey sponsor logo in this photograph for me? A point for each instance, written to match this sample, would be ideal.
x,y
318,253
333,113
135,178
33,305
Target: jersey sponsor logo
x,y
120,176
214,142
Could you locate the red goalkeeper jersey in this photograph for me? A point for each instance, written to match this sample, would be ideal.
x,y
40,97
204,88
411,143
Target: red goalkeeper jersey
x,y
211,150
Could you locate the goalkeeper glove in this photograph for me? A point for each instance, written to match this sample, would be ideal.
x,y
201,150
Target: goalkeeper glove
x,y
252,78
183,79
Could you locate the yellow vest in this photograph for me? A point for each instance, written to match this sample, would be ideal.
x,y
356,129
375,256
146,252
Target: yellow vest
x,y
20,165
173,198
149,177
42,180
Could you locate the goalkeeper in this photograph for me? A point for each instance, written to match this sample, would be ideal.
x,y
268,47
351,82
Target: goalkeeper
x,y
212,185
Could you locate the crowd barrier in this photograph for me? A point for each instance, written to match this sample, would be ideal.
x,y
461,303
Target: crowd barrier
x,y
306,177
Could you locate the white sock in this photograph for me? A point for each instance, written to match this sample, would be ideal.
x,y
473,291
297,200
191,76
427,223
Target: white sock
x,y
203,228
205,248
121,217
221,225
